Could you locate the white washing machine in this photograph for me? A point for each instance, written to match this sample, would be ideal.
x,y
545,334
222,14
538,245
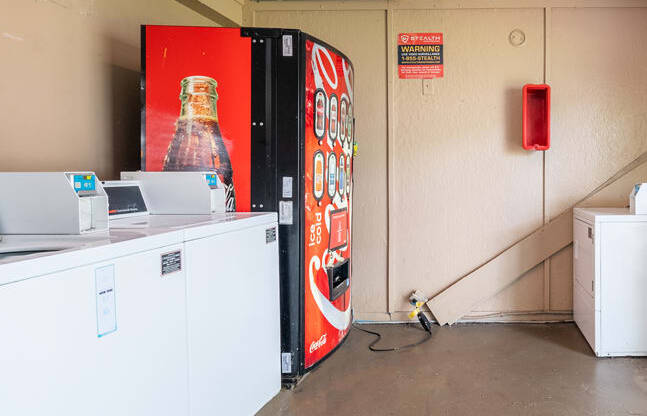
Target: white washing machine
x,y
233,314
162,315
98,329
93,322
50,211
232,289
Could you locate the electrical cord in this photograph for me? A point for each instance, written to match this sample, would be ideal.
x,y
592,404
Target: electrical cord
x,y
371,346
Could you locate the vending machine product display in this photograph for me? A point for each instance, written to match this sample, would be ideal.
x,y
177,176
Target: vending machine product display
x,y
270,111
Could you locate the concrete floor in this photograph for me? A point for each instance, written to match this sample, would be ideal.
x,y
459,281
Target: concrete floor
x,y
485,369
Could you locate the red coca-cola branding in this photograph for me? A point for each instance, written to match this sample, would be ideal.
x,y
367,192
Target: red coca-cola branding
x,y
327,213
315,345
220,140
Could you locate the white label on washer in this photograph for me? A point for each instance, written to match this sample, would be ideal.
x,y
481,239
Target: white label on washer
x,y
287,45
104,279
285,212
287,187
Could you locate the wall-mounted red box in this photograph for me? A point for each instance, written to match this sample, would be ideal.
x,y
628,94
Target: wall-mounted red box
x,y
536,117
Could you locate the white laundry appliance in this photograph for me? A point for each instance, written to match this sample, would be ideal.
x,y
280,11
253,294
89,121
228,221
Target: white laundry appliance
x,y
93,322
107,323
50,211
232,292
610,280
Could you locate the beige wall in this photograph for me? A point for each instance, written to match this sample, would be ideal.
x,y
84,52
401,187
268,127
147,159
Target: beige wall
x,y
69,81
461,187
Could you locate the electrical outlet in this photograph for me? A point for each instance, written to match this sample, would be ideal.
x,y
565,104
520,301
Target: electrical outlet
x,y
427,87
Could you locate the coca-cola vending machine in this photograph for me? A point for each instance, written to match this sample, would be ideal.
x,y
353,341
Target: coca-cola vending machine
x,y
271,112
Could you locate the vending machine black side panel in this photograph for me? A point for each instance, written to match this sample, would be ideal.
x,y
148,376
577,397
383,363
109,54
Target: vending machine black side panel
x,y
276,151
290,178
263,134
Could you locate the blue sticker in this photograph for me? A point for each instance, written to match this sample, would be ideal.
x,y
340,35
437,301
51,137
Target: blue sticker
x,y
84,183
212,180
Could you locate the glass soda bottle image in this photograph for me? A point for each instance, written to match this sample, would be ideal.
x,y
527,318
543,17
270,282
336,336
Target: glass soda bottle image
x,y
320,114
197,144
333,118
318,180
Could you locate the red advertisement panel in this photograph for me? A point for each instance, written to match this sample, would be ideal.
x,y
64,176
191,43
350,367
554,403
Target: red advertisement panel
x,y
198,100
328,175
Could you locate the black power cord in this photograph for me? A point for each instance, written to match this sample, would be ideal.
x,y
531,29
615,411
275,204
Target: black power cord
x,y
426,325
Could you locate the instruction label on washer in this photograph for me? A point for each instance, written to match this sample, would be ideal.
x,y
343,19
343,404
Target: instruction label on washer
x,y
285,212
104,280
270,235
171,262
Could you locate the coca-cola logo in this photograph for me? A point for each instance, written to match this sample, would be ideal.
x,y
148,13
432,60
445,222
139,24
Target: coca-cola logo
x,y
318,343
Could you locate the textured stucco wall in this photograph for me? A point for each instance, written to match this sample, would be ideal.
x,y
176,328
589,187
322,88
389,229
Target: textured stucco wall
x,y
462,187
69,81
598,67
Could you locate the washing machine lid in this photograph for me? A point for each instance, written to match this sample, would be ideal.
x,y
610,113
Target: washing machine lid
x,y
159,222
26,256
17,247
230,221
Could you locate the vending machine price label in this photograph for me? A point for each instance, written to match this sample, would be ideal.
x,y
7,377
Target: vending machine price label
x,y
285,213
287,187
287,45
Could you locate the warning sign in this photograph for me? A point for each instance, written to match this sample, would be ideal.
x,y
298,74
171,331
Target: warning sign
x,y
420,55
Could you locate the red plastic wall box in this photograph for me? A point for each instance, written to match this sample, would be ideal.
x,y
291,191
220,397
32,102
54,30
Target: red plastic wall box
x,y
536,117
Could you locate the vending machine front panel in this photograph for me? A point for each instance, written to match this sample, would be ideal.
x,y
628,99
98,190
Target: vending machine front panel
x,y
327,314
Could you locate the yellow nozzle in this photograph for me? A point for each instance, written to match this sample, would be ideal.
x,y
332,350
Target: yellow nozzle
x,y
416,311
